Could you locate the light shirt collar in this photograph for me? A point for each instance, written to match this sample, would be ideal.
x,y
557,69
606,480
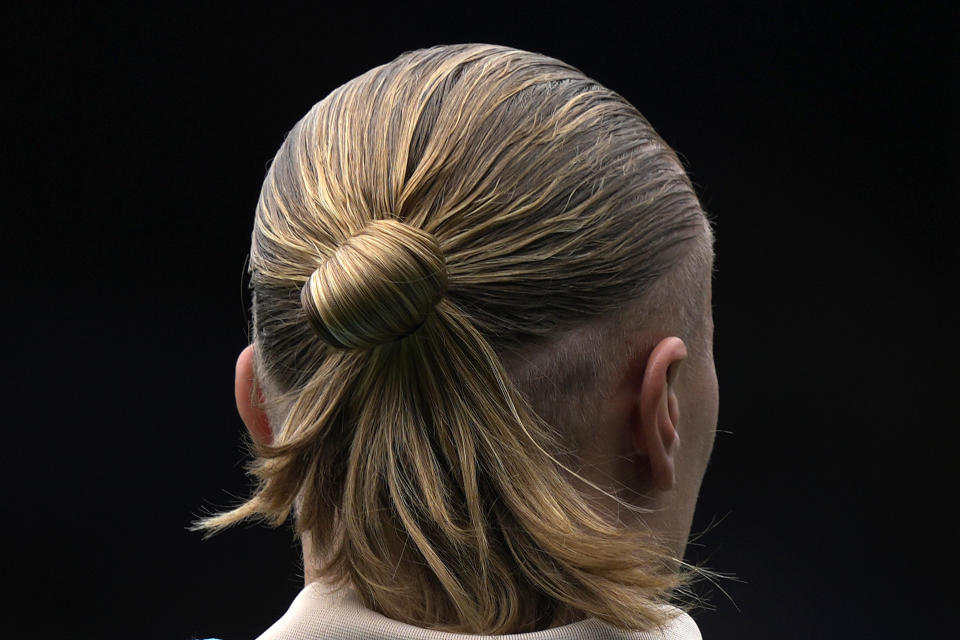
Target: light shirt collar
x,y
321,612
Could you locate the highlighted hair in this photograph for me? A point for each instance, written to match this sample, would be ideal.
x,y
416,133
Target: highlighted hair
x,y
422,225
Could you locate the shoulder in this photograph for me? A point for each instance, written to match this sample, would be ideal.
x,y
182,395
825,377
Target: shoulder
x,y
680,627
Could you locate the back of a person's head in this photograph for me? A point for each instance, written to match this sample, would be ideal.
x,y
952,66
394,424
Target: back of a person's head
x,y
449,257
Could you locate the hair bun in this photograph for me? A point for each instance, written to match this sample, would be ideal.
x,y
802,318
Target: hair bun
x,y
378,286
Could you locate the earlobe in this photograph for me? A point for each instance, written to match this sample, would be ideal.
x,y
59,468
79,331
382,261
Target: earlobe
x,y
656,436
249,405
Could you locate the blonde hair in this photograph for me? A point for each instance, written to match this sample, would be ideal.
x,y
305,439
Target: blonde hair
x,y
455,209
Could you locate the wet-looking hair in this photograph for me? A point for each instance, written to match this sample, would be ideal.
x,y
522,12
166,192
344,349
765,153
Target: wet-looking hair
x,y
427,239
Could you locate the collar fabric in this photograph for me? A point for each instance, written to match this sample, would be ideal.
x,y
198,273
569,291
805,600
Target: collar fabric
x,y
320,612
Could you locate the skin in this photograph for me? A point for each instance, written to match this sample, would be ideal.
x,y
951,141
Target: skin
x,y
656,430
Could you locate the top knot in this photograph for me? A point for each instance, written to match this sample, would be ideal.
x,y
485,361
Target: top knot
x,y
378,286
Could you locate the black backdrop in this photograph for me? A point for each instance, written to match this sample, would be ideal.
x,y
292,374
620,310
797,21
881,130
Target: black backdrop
x,y
137,139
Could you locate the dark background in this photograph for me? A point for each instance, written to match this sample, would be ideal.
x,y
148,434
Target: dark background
x,y
821,139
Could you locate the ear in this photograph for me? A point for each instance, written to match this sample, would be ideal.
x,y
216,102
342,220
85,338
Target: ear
x,y
655,435
250,399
